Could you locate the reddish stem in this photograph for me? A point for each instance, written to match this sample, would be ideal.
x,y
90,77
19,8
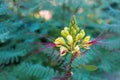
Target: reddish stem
x,y
72,58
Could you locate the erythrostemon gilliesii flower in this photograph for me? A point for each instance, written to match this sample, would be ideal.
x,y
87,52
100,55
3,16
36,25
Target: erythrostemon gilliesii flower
x,y
63,50
73,39
60,41
85,42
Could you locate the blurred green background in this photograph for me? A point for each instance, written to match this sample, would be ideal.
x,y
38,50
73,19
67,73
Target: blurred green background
x,y
23,22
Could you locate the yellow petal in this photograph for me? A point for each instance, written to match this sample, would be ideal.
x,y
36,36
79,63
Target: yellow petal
x,y
77,48
86,39
69,39
63,50
87,46
60,41
80,35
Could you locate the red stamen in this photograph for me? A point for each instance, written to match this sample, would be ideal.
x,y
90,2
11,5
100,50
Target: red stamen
x,y
46,43
64,52
91,42
95,41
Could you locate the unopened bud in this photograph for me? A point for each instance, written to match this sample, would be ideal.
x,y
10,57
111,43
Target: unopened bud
x,y
73,32
86,39
65,32
80,35
60,41
69,39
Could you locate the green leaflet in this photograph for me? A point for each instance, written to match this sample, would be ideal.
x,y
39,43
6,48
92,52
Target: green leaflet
x,y
89,67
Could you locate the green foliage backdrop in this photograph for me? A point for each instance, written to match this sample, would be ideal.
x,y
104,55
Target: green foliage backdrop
x,y
21,25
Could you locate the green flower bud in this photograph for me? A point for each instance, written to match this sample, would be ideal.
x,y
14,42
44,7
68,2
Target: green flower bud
x,y
59,41
65,32
77,29
80,35
73,31
85,40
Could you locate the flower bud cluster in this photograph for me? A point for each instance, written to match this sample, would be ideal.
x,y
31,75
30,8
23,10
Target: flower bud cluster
x,y
72,39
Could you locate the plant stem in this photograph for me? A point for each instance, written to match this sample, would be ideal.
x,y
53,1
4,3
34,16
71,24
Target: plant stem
x,y
72,58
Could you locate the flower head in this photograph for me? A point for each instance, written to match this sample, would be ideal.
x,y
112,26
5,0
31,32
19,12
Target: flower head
x,y
73,39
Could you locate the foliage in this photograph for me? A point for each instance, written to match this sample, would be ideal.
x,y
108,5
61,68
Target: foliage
x,y
23,31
